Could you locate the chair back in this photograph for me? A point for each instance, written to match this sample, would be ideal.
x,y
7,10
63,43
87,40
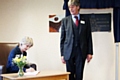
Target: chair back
x,y
5,49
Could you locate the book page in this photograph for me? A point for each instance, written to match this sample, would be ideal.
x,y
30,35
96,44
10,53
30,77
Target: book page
x,y
31,73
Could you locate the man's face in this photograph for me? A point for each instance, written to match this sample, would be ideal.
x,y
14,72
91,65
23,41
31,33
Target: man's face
x,y
74,10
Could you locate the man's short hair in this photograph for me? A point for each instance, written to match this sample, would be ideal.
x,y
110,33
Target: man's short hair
x,y
74,2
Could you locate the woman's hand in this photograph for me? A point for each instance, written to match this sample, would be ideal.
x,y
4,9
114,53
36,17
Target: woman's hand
x,y
30,69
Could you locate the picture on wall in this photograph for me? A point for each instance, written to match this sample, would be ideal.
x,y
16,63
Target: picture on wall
x,y
54,22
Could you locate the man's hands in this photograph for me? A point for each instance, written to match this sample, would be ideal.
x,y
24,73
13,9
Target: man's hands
x,y
30,69
89,57
62,59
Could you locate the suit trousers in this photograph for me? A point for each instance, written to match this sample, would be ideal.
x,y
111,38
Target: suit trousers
x,y
75,64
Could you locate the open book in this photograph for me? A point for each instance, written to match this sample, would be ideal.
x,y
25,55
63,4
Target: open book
x,y
31,73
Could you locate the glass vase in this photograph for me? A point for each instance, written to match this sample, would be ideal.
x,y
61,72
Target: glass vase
x,y
20,72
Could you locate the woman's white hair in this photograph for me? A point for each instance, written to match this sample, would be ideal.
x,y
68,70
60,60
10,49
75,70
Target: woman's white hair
x,y
27,41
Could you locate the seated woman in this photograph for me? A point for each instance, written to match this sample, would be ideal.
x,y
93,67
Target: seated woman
x,y
20,50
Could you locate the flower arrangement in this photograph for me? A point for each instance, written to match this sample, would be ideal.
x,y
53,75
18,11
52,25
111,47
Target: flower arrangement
x,y
20,62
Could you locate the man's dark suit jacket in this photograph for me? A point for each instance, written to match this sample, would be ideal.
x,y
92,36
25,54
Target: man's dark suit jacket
x,y
85,36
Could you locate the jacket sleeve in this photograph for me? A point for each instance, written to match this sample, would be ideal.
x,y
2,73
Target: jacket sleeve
x,y
89,38
11,67
62,37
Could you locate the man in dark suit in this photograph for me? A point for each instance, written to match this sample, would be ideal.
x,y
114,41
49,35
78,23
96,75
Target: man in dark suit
x,y
75,41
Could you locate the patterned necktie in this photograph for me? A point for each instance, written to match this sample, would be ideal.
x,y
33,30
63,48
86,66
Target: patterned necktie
x,y
76,21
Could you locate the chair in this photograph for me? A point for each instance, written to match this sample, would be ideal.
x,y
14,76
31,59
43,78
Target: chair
x,y
5,49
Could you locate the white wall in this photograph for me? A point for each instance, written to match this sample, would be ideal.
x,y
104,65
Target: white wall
x,y
103,63
20,18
